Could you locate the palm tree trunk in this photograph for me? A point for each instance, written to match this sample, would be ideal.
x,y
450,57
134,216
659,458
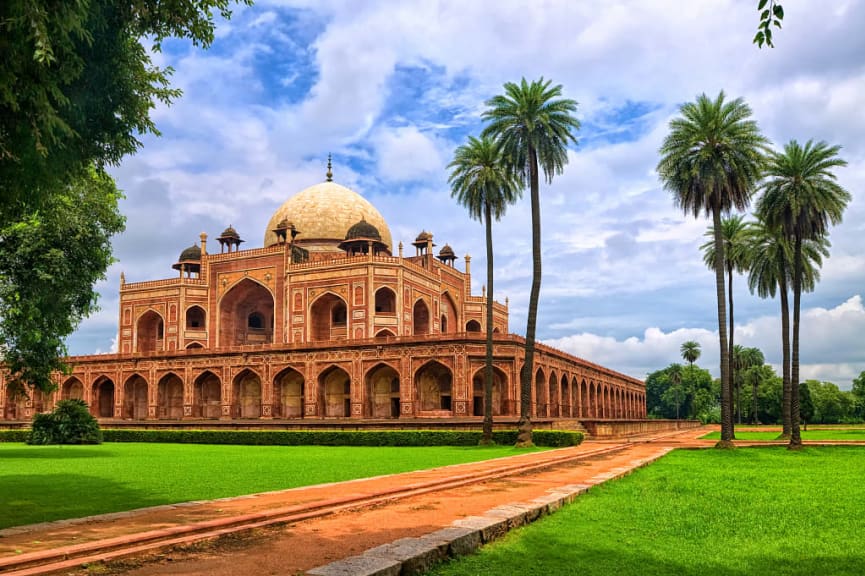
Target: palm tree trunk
x,y
795,438
731,348
488,366
527,373
726,407
785,354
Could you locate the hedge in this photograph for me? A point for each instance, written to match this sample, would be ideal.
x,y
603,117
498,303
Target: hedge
x,y
553,438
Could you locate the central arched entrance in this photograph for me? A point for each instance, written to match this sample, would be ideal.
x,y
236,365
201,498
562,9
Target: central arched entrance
x,y
288,394
207,396
434,386
382,392
170,397
334,387
246,315
149,332
246,394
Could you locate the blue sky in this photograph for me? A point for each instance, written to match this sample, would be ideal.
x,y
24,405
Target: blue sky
x,y
390,89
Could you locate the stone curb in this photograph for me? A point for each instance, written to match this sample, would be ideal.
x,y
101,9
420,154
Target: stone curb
x,y
408,556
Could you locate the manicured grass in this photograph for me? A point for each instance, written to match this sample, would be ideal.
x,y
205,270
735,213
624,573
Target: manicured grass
x,y
817,434
41,483
751,511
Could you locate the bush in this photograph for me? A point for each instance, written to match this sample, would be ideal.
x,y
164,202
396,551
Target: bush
x,y
554,438
69,423
16,435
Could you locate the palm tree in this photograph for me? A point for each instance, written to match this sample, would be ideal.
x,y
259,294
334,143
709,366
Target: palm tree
x,y
744,359
533,126
770,270
734,231
690,352
753,358
801,199
711,161
482,183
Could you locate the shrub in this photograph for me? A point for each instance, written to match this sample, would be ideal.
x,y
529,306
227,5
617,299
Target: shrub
x,y
554,438
69,423
16,435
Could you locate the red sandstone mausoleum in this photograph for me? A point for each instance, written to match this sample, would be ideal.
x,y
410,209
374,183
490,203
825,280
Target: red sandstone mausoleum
x,y
324,321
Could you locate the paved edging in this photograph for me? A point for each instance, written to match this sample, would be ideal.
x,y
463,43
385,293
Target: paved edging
x,y
417,555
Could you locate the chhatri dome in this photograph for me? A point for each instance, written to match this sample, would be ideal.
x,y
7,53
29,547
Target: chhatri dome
x,y
324,213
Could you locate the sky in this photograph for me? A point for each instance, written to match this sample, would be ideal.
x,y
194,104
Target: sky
x,y
391,89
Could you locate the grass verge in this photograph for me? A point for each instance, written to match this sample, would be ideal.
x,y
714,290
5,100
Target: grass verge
x,y
818,434
744,512
42,483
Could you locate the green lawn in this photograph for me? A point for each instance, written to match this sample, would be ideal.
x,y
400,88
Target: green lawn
x,y
41,483
816,434
751,511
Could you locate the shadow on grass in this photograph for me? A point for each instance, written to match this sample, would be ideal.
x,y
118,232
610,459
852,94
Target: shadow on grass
x,y
54,453
30,499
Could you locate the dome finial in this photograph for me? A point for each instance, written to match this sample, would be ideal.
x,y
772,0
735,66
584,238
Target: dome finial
x,y
329,170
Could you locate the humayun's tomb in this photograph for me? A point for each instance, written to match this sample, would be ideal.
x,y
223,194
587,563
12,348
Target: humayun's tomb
x,y
323,322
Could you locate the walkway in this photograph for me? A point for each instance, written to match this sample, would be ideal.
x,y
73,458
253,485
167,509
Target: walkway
x,y
291,531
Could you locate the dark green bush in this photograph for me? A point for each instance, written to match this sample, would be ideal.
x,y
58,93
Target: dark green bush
x,y
554,438
16,435
69,423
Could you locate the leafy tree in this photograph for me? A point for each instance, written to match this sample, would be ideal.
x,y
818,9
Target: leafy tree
x,y
734,233
745,360
690,351
806,404
831,404
69,423
77,86
800,199
689,391
534,126
711,161
49,262
859,394
483,183
770,271
771,14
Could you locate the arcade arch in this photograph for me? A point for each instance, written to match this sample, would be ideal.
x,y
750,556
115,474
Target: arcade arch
x,y
149,332
328,318
334,387
170,397
382,392
135,398
288,394
246,394
499,392
207,396
420,318
246,315
434,387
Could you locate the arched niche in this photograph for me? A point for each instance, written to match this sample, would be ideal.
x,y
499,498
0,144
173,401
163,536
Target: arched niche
x,y
170,397
434,386
473,326
246,394
207,396
499,392
334,385
196,318
420,318
246,315
135,391
385,301
382,392
328,318
288,394
149,332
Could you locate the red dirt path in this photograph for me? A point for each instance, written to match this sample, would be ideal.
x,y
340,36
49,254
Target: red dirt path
x,y
291,549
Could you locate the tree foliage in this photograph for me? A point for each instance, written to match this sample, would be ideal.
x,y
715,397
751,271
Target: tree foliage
x,y
688,389
771,14
77,86
49,262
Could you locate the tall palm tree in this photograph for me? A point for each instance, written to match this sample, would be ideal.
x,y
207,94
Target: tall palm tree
x,y
770,270
690,351
734,231
534,127
801,198
711,161
483,183
753,358
744,359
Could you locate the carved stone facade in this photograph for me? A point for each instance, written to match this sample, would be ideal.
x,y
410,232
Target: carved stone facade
x,y
321,323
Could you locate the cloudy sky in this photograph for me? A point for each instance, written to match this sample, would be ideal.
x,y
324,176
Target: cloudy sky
x,y
392,88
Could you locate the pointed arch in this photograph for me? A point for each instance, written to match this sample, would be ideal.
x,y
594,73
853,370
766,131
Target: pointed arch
x,y
334,388
170,396
553,409
246,314
385,301
328,318
564,398
500,391
434,387
246,394
473,326
72,389
149,332
420,317
207,395
195,346
196,318
540,393
135,395
289,392
449,314
102,397
382,384
384,333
